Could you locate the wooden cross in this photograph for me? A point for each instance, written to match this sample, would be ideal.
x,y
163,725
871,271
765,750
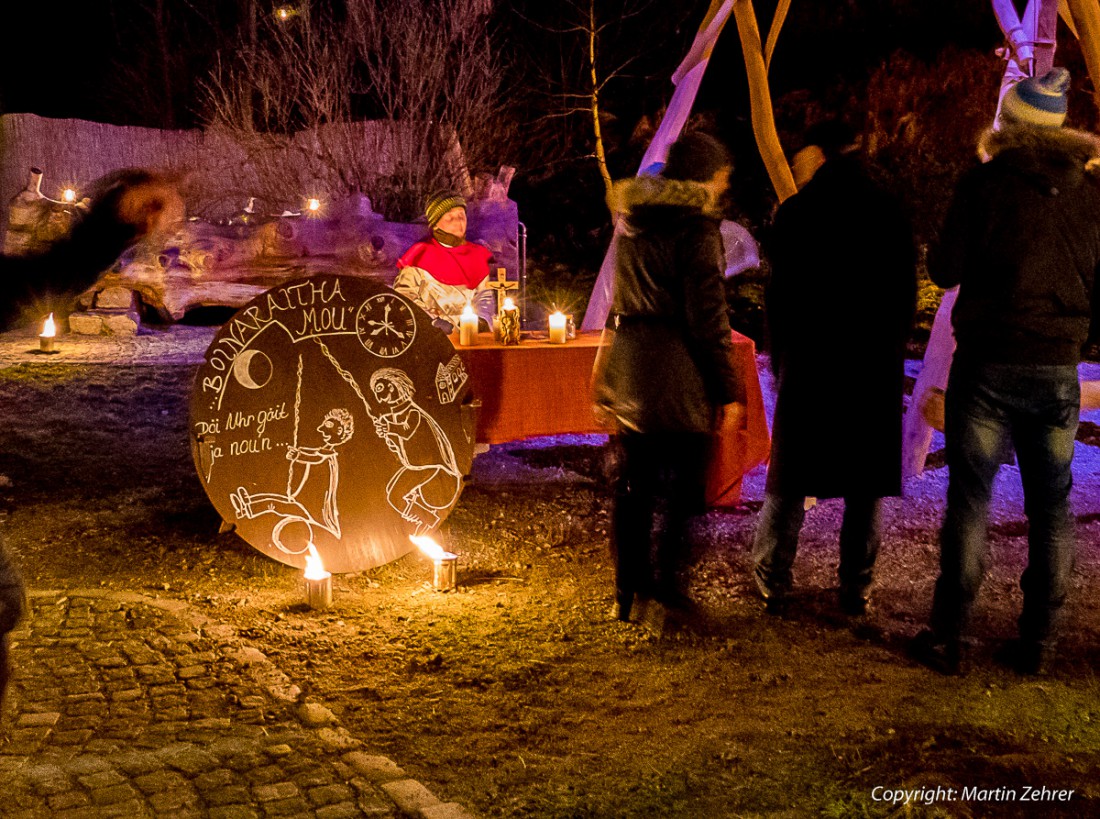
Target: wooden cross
x,y
502,286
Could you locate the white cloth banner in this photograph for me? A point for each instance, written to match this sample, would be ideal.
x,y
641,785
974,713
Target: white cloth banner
x,y
688,78
1031,47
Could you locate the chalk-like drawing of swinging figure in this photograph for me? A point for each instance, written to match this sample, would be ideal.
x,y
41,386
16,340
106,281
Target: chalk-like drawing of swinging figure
x,y
429,480
336,429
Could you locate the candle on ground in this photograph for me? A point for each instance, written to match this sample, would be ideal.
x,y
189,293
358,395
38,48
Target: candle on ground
x,y
444,563
49,333
318,581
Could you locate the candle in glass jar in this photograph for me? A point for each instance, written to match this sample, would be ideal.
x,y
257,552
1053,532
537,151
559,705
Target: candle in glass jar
x,y
508,322
467,327
557,328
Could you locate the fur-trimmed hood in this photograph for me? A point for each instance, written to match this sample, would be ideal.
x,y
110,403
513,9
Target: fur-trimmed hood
x,y
631,197
1051,156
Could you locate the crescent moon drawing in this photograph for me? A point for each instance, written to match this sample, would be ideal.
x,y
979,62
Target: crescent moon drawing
x,y
243,369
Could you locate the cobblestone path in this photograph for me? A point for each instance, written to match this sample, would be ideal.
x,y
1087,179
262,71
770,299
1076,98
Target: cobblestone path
x,y
121,705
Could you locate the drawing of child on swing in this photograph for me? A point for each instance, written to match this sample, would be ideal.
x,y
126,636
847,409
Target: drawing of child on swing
x,y
429,480
336,429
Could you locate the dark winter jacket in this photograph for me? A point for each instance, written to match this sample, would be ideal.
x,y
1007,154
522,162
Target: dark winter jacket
x,y
12,599
840,306
71,264
669,364
1022,238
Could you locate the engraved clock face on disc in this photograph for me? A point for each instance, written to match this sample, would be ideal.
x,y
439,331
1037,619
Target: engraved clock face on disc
x,y
330,413
385,325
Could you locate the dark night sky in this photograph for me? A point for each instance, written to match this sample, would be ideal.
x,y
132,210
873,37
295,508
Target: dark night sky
x,y
57,58
53,55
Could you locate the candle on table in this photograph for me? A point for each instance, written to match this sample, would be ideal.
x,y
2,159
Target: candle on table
x,y
509,322
467,327
557,328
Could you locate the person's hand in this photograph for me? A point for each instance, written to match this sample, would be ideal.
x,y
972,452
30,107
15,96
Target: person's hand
x,y
145,202
729,416
152,206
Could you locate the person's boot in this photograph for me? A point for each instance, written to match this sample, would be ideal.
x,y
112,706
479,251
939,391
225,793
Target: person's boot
x,y
854,603
944,655
624,603
776,597
1026,657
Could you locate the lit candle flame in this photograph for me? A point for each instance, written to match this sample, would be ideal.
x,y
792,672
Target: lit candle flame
x,y
468,311
315,569
68,195
509,304
557,319
313,204
49,328
428,546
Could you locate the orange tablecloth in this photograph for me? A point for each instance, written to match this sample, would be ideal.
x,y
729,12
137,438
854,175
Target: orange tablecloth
x,y
743,442
538,388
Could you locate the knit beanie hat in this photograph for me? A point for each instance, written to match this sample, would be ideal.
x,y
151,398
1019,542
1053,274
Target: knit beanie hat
x,y
696,157
1038,100
439,204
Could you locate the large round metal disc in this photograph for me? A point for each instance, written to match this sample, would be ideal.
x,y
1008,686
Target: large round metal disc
x,y
330,411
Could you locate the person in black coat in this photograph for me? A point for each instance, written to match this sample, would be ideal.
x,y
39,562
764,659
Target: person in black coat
x,y
125,206
1022,241
840,305
668,375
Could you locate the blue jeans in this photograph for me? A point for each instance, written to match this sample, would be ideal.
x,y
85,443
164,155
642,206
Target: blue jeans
x,y
776,541
1035,409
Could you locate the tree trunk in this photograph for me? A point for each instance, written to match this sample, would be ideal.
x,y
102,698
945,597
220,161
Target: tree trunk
x,y
601,156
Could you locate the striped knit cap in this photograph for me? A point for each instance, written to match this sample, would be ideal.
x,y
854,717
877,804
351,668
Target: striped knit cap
x,y
439,204
1038,100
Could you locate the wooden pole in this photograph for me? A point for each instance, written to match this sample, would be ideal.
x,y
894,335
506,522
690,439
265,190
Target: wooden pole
x,y
763,118
773,31
1086,20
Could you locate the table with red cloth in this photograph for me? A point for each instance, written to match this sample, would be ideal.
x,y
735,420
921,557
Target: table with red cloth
x,y
539,388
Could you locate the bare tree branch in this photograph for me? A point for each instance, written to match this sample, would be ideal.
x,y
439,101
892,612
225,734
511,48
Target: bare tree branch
x,y
296,103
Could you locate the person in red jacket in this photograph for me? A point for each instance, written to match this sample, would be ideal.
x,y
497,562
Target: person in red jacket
x,y
444,272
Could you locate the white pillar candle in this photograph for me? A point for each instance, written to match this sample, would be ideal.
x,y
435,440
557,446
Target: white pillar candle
x,y
557,328
467,327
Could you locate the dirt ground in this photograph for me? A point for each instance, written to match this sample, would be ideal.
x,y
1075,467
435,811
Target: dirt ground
x,y
519,695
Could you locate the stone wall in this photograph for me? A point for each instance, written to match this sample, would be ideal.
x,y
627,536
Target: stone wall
x,y
230,255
